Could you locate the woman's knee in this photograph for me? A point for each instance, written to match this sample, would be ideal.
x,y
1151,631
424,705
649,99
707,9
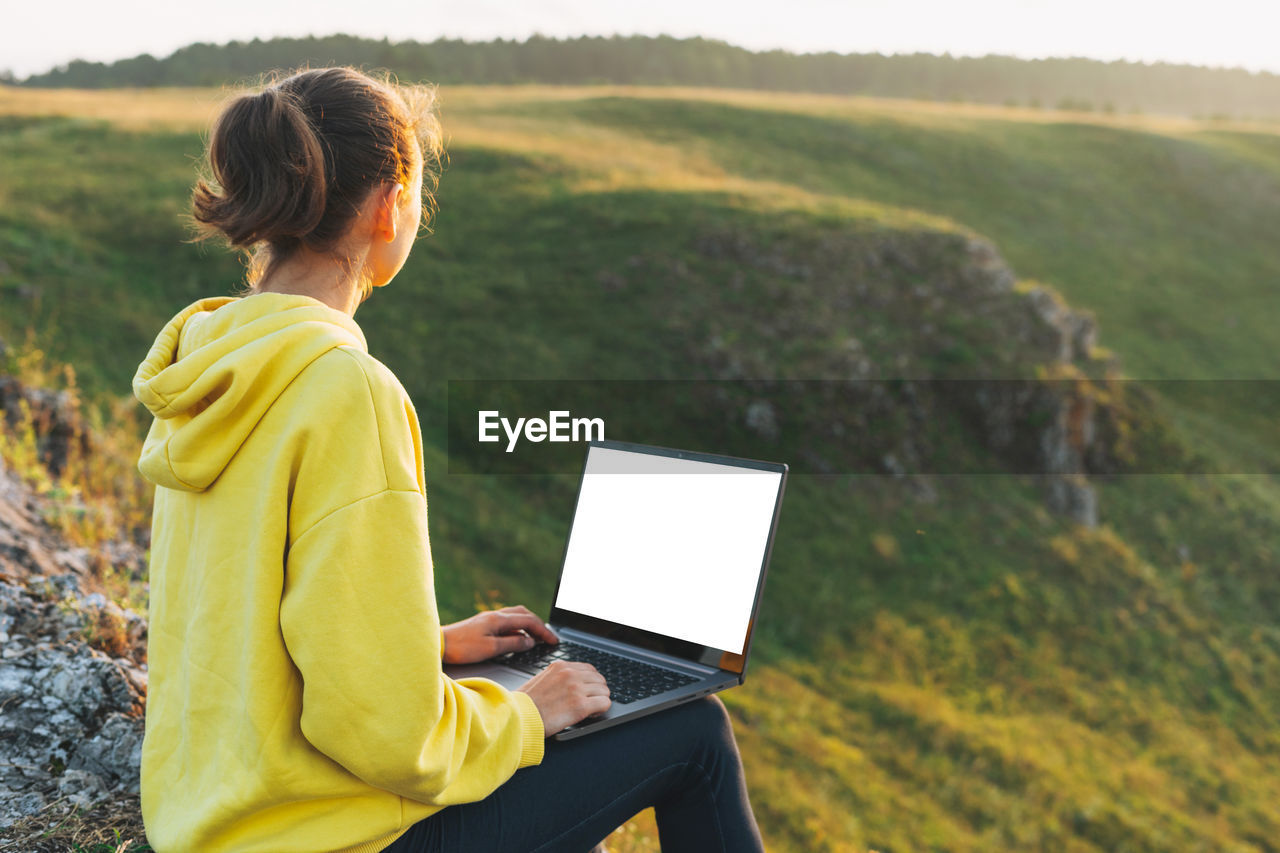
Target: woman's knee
x,y
713,750
710,718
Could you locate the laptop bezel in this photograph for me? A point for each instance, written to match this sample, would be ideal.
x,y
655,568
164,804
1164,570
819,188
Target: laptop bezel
x,y
661,643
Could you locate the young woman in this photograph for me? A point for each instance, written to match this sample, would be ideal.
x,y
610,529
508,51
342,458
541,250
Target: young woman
x,y
297,701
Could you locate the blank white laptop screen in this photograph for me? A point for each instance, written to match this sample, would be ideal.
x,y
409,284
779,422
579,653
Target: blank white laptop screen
x,y
672,546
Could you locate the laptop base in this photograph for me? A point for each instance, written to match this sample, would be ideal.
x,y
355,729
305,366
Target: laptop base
x,y
707,681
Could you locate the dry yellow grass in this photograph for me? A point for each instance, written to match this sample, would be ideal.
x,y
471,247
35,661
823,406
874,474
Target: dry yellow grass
x,y
134,109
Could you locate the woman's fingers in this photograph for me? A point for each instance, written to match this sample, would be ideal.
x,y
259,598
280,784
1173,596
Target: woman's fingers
x,y
582,675
513,619
514,629
535,626
503,643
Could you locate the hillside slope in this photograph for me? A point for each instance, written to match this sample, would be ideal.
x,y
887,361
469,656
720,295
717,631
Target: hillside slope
x,y
993,675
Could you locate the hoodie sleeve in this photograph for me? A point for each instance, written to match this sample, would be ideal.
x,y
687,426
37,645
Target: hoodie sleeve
x,y
358,610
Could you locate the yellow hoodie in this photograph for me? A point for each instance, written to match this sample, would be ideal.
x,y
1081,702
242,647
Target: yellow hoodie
x,y
296,700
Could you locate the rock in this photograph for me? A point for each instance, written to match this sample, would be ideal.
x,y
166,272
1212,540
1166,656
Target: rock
x,y
762,419
26,804
1074,497
71,716
985,263
81,788
1084,336
1067,335
113,753
72,725
74,560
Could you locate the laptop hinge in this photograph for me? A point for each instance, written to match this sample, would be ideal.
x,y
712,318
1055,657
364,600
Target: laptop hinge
x,y
634,651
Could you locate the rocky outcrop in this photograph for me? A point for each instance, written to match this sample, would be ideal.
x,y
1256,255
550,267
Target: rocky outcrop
x,y
73,676
1054,424
868,352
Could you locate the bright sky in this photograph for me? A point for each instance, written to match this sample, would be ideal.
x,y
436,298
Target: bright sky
x,y
38,35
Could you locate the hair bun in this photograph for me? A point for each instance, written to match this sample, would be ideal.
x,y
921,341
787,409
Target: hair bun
x,y
269,163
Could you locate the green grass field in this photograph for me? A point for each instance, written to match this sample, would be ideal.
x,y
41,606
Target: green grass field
x,y
993,677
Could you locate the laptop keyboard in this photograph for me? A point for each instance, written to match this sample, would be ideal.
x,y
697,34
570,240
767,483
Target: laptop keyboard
x,y
629,680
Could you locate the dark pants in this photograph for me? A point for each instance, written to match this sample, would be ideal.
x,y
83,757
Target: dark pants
x,y
682,761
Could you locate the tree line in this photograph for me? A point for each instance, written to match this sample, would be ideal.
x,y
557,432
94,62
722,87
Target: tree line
x,y
1069,83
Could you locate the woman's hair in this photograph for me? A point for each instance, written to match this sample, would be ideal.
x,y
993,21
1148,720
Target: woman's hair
x,y
292,162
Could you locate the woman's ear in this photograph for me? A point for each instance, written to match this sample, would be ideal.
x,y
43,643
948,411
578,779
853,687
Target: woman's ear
x,y
388,211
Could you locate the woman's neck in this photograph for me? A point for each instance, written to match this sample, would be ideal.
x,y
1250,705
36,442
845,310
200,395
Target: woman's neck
x,y
308,273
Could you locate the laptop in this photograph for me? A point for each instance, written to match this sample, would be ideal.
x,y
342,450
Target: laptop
x,y
661,579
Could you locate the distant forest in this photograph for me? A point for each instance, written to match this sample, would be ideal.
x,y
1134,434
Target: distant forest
x,y
1079,84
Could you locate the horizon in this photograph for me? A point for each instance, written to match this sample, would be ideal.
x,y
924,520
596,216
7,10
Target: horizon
x,y
1135,31
942,54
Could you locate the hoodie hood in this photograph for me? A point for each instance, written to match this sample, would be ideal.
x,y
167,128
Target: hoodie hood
x,y
214,371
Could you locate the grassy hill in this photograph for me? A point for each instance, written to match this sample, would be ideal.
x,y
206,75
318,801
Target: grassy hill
x,y
942,664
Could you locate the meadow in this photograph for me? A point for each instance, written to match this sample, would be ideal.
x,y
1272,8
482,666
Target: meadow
x,y
946,667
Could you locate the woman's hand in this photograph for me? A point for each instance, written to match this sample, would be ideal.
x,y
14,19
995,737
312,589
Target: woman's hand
x,y
492,633
567,692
